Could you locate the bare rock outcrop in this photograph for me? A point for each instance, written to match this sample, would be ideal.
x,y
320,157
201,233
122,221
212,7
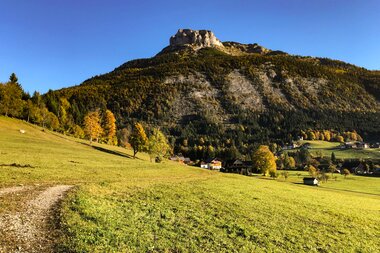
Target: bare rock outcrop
x,y
195,38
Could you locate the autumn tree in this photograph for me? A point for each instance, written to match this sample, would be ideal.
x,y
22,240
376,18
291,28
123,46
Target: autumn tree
x,y
11,102
110,128
264,160
332,169
78,132
327,135
339,138
138,139
312,170
64,106
289,162
346,173
158,144
92,126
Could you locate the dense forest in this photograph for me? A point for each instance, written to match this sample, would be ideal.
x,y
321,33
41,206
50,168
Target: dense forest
x,y
210,103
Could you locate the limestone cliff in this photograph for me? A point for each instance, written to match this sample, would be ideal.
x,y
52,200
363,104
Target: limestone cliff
x,y
195,38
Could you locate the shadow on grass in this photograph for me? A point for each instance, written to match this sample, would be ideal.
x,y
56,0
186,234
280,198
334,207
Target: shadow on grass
x,y
17,165
112,152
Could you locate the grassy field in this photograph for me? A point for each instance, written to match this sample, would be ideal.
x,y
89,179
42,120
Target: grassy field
x,y
131,205
326,148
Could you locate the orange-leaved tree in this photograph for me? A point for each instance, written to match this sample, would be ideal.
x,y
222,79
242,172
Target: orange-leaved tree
x,y
92,126
110,128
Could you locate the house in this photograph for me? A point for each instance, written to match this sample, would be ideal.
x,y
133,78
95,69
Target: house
x,y
354,144
348,145
238,166
310,181
361,144
204,165
212,164
180,158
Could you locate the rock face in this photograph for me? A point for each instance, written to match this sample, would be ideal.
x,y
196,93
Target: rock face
x,y
196,38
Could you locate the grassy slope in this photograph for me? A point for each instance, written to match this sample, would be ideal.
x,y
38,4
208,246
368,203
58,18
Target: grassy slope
x,y
328,147
125,205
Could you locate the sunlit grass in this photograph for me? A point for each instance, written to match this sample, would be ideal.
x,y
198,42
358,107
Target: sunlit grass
x,y
132,205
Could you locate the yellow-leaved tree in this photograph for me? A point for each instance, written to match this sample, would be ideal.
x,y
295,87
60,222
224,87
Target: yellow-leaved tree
x,y
264,161
158,144
138,139
92,126
110,128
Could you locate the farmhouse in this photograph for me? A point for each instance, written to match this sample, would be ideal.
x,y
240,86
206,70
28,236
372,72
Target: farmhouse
x,y
354,144
212,164
238,166
310,181
180,159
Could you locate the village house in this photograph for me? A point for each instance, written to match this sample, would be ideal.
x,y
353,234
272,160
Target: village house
x,y
180,159
238,166
212,164
354,144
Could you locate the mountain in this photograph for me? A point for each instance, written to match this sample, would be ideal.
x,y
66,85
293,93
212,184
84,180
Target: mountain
x,y
229,92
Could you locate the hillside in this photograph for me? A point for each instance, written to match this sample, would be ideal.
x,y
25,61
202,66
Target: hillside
x,y
121,204
201,87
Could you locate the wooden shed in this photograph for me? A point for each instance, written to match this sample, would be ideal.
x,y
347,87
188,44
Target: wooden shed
x,y
310,181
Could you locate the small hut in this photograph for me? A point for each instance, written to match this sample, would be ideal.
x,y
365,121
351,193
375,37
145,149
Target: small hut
x,y
310,181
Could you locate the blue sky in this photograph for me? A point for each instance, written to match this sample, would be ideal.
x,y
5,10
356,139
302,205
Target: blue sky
x,y
52,44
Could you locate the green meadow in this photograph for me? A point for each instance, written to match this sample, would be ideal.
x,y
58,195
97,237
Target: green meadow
x,y
120,204
326,148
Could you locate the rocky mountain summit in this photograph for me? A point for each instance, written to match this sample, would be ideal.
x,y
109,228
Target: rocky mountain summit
x,y
194,40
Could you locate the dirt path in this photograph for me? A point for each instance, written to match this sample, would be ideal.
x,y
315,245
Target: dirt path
x,y
31,230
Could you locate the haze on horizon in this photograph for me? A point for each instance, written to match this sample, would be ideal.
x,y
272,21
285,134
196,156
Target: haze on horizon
x,y
54,45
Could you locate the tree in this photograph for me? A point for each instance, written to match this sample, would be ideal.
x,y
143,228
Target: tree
x,y
333,157
110,128
264,160
11,103
289,162
138,139
158,144
340,138
311,135
346,173
312,171
92,126
64,106
78,132
123,137
332,169
327,135
304,155
13,78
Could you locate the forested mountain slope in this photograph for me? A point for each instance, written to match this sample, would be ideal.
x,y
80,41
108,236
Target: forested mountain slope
x,y
231,92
